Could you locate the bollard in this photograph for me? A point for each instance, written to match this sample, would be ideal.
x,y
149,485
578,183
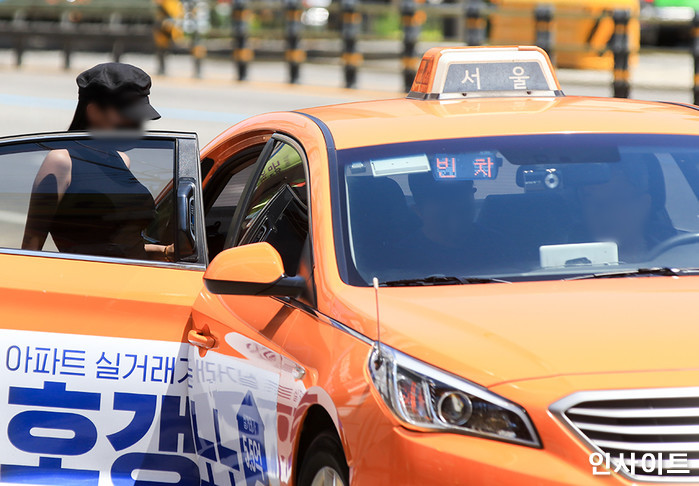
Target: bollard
x,y
450,24
695,55
621,52
543,20
196,49
162,41
202,25
412,20
294,55
67,53
242,54
162,61
351,59
162,34
115,25
67,26
18,22
198,53
476,23
117,50
19,50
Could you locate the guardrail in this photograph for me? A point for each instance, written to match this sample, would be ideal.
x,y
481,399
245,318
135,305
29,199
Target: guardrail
x,y
472,18
134,29
118,38
120,27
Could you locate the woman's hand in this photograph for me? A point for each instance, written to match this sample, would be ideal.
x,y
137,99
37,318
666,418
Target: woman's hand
x,y
164,253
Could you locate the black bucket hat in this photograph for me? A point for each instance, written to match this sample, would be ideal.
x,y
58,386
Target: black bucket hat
x,y
122,86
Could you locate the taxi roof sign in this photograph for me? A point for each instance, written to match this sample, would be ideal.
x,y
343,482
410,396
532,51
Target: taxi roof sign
x,y
457,72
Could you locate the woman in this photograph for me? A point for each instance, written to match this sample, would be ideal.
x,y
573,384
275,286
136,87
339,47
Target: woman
x,y
86,196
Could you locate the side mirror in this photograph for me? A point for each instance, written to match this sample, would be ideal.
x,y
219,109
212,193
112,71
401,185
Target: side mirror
x,y
254,269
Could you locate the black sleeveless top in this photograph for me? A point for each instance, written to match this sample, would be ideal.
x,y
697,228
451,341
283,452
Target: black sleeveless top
x,y
105,208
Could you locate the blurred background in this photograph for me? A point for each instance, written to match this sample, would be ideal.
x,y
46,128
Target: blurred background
x,y
219,61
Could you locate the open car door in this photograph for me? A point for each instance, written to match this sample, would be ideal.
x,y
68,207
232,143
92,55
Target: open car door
x,y
93,344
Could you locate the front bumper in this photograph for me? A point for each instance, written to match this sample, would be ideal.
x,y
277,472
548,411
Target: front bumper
x,y
406,457
424,459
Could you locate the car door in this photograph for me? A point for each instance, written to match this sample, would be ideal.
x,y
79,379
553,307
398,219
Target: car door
x,y
93,343
244,386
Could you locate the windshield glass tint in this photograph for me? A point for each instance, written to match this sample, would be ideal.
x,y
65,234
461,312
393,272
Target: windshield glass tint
x,y
518,207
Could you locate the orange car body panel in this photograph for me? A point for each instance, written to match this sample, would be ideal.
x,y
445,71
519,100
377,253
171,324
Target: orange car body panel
x,y
43,293
401,120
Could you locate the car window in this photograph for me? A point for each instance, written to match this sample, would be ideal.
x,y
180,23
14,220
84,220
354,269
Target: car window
x,y
219,216
102,198
518,207
230,196
277,211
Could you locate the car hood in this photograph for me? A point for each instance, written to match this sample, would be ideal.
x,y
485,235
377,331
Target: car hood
x,y
497,333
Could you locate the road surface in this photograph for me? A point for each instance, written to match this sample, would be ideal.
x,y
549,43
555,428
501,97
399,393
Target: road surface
x,y
41,96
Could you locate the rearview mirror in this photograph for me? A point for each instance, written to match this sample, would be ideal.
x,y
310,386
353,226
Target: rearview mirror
x,y
254,269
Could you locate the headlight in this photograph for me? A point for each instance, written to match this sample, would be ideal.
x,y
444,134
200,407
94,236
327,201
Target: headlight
x,y
425,398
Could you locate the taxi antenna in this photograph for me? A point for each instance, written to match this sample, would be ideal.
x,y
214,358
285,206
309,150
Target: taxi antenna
x,y
378,359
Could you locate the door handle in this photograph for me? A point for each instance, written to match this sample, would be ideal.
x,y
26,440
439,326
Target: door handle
x,y
201,339
186,217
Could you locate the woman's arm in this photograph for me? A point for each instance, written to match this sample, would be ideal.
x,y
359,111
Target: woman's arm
x,y
50,185
164,253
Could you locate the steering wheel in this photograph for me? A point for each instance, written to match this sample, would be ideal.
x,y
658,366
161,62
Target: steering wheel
x,y
675,241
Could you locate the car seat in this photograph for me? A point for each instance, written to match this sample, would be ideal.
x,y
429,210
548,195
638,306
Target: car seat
x,y
381,225
525,222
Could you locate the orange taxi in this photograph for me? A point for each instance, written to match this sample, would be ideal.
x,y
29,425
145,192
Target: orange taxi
x,y
487,282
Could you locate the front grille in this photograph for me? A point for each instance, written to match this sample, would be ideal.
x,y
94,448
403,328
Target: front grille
x,y
655,432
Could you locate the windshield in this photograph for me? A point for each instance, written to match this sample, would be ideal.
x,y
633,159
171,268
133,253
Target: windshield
x,y
517,207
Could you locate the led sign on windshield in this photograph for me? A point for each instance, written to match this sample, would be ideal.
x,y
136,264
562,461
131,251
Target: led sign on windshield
x,y
471,167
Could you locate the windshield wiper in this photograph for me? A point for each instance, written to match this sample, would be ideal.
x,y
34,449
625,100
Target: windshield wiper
x,y
638,272
440,280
